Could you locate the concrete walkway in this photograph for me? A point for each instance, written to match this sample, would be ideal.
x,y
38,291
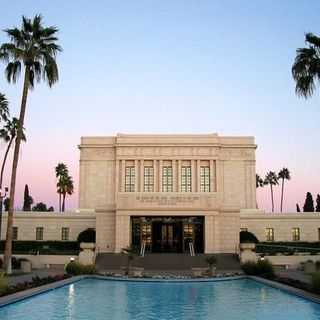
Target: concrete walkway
x,y
295,275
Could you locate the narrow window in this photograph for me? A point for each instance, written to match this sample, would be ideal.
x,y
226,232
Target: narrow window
x,y
186,179
130,179
295,234
204,179
167,179
39,233
14,233
148,179
65,234
269,234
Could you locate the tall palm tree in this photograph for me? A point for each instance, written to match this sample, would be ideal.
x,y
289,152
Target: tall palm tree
x,y
272,180
8,133
306,66
284,174
67,189
61,172
32,48
4,108
259,184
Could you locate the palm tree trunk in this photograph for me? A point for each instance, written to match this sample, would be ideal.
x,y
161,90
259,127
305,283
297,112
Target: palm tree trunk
x,y
5,160
282,187
63,201
8,245
272,198
59,202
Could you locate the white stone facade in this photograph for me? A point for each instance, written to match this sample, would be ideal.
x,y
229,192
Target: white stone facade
x,y
163,177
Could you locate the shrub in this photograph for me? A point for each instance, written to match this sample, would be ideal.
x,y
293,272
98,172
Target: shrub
x,y
261,268
315,282
88,235
211,260
75,268
248,237
3,283
16,263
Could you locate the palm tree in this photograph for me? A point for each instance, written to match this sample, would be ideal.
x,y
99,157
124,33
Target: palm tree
x,y
32,48
306,66
8,133
259,182
272,180
4,108
61,172
67,189
284,174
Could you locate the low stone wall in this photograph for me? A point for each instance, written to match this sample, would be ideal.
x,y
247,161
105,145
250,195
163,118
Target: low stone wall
x,y
41,261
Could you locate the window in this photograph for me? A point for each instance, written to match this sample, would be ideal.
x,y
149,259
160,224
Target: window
x,y
295,234
130,179
148,179
65,234
14,233
269,234
204,179
167,179
39,233
146,234
243,229
186,179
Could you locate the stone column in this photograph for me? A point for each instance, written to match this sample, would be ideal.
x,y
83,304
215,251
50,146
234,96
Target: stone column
x,y
179,175
193,176
136,173
160,175
122,232
141,175
123,175
212,179
155,175
174,176
117,176
198,175
209,231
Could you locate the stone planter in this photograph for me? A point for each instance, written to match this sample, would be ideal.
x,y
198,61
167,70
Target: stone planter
x,y
212,270
87,255
198,272
26,266
136,272
247,252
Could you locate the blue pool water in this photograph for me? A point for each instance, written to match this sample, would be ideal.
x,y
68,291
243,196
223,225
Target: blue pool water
x,y
224,300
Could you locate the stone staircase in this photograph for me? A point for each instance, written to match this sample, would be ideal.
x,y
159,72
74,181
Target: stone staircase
x,y
166,262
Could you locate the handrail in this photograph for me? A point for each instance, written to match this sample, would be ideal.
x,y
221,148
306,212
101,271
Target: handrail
x,y
143,249
191,249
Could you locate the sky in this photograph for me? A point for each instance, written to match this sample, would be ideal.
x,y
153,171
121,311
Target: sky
x,y
170,67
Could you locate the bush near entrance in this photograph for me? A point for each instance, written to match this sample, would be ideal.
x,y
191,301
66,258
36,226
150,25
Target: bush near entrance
x,y
248,237
75,268
261,268
88,235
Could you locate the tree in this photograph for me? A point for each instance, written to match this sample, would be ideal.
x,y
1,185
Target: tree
x,y
28,201
298,207
4,108
259,182
40,206
61,174
284,174
318,203
272,180
308,205
6,204
306,66
67,189
8,133
33,48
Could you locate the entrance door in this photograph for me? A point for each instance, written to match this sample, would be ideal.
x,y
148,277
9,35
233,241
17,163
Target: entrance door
x,y
166,237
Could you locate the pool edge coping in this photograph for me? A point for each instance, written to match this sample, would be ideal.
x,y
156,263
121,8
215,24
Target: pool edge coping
x,y
25,294
289,289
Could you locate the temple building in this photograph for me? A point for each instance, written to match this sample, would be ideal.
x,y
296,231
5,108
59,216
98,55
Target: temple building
x,y
167,193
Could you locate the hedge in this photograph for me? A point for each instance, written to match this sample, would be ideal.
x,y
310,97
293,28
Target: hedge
x,y
43,247
248,237
283,247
